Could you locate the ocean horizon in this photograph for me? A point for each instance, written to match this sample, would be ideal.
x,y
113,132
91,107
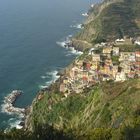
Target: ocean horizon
x,y
32,35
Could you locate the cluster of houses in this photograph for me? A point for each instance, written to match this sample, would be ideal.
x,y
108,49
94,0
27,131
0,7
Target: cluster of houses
x,y
104,62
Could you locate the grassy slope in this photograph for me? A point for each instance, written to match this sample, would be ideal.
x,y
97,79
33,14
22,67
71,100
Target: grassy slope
x,y
115,20
110,105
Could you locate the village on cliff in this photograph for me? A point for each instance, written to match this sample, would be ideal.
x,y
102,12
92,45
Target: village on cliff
x,y
114,61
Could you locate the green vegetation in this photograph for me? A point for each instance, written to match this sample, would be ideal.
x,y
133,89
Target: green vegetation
x,y
43,132
56,108
118,19
115,60
129,48
99,113
109,111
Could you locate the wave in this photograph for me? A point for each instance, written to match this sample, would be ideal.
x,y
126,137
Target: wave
x,y
53,76
4,107
70,49
85,14
65,42
8,108
73,51
78,26
14,123
43,77
62,44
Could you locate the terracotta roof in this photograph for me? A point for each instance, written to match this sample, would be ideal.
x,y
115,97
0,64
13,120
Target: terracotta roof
x,y
85,78
88,65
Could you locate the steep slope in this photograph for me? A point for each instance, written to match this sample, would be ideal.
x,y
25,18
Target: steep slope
x,y
110,105
111,20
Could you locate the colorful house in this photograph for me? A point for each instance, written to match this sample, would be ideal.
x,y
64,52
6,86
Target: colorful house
x,y
95,65
116,51
107,50
96,58
114,71
127,56
120,76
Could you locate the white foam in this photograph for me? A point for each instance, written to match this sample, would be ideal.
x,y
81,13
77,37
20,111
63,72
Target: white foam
x,y
8,108
53,76
92,5
42,86
62,44
69,54
14,123
17,113
85,14
69,36
19,127
71,50
78,26
43,77
75,52
3,108
65,42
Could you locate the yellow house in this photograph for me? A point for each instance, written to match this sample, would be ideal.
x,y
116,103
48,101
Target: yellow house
x,y
96,57
107,50
95,65
114,71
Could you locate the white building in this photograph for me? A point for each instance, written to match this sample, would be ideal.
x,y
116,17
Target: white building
x,y
120,77
137,42
116,51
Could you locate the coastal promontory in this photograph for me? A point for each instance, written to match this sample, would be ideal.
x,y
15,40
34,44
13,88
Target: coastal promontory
x,y
97,97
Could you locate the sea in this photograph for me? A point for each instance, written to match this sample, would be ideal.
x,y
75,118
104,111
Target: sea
x,y
32,35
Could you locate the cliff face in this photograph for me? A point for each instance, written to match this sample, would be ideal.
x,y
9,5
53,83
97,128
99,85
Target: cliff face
x,y
110,20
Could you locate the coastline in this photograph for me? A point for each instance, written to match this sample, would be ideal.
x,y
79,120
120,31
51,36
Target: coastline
x,y
9,107
95,95
53,87
75,46
23,114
